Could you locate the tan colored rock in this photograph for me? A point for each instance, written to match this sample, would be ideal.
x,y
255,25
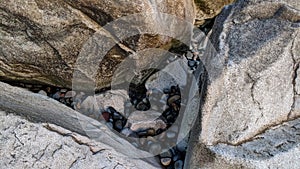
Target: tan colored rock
x,y
206,9
41,40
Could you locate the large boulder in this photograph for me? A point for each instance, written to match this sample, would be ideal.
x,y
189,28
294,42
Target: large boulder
x,y
39,108
33,145
253,86
41,40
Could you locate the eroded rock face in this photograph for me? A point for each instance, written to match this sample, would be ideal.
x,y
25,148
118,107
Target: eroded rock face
x,y
256,87
253,86
29,145
206,9
41,40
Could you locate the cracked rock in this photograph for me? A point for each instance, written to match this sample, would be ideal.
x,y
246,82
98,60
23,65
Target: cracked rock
x,y
28,145
253,86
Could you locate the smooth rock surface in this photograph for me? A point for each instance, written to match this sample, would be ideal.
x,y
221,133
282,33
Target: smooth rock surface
x,y
29,145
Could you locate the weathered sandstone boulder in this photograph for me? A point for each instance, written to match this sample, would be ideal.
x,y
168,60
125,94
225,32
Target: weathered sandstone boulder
x,y
40,40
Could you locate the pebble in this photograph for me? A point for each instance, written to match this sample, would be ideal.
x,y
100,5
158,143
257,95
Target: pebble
x,y
42,92
56,95
172,99
148,132
118,125
106,116
171,134
182,145
155,148
178,164
63,90
70,94
166,161
166,153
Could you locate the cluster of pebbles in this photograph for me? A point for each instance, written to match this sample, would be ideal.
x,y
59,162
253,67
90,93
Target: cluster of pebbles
x,y
146,135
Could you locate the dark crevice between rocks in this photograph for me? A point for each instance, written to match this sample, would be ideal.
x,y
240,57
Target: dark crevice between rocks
x,y
207,25
206,155
294,77
260,132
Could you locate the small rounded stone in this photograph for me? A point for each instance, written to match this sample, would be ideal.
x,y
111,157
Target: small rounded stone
x,y
171,134
63,90
191,63
106,116
70,94
178,164
118,125
56,95
42,92
172,99
166,153
165,161
155,148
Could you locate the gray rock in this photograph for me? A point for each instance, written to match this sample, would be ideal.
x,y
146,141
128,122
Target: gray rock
x,y
143,120
173,74
70,94
42,92
252,87
178,164
93,105
39,108
28,145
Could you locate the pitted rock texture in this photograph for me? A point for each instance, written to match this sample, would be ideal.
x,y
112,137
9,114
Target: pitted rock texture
x,y
253,87
277,147
41,40
206,9
39,108
30,145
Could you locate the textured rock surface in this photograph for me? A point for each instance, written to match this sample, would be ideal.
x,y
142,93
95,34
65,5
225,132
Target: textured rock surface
x,y
93,105
40,108
41,40
29,145
173,74
253,87
206,9
141,120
